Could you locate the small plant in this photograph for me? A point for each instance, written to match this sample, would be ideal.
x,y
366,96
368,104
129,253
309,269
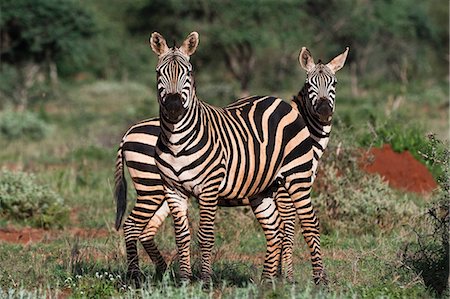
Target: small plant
x,y
25,124
428,255
23,199
103,285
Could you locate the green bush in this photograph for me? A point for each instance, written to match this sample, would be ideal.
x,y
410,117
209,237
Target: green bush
x,y
428,255
26,124
8,83
352,201
394,132
23,199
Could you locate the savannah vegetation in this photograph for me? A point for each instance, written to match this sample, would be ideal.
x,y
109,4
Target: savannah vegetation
x,y
75,75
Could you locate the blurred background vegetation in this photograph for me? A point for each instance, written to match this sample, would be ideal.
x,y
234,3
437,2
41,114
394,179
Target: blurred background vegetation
x,y
75,74
244,45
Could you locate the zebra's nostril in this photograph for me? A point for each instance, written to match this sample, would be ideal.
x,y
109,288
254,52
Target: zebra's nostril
x,y
172,97
324,109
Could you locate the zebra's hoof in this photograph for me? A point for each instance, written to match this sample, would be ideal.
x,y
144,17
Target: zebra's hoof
x,y
268,281
159,273
291,280
184,281
320,277
136,277
206,282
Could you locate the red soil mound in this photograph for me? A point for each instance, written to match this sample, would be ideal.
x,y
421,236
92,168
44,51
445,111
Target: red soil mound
x,y
400,170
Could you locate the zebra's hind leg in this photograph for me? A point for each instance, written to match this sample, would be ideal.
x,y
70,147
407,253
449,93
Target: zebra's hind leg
x,y
265,210
288,216
148,242
132,231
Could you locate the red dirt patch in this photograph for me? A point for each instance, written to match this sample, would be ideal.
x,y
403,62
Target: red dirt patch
x,y
35,235
400,170
23,236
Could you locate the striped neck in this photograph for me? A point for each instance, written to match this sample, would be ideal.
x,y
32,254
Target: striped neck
x,y
178,136
320,131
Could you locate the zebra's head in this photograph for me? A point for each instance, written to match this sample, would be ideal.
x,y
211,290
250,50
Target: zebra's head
x,y
175,80
321,83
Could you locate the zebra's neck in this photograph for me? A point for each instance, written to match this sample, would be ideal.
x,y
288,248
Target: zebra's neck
x,y
319,131
180,136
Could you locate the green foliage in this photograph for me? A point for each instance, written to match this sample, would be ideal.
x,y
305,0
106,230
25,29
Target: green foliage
x,y
233,273
428,255
393,131
435,155
43,29
10,77
380,34
26,124
352,201
23,199
256,43
100,286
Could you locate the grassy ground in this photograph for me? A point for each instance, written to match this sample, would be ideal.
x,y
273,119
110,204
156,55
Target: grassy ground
x,y
76,160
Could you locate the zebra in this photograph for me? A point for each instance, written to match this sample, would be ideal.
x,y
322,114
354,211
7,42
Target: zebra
x,y
141,138
211,153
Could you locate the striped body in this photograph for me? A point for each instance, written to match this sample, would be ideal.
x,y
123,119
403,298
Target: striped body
x,y
243,146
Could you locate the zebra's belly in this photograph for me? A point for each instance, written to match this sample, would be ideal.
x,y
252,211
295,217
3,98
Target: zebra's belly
x,y
245,185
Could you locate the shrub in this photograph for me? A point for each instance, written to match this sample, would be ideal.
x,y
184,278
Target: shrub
x,y
428,255
393,131
26,124
23,199
350,200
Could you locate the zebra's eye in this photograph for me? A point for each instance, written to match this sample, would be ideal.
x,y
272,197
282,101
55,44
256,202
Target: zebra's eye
x,y
190,73
334,83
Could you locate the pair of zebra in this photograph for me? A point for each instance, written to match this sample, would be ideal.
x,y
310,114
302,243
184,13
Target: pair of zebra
x,y
258,151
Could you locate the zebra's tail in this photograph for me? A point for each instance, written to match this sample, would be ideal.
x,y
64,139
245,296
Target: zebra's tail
x,y
120,188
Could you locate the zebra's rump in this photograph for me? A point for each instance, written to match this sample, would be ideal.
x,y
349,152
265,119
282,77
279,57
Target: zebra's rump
x,y
139,151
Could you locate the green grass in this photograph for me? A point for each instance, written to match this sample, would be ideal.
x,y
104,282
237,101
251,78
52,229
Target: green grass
x,y
77,162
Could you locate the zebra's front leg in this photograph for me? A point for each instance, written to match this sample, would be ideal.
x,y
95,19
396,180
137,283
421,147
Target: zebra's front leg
x,y
266,212
178,208
148,242
208,209
300,193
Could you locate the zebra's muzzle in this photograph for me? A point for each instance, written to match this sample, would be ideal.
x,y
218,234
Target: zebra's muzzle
x,y
324,111
172,107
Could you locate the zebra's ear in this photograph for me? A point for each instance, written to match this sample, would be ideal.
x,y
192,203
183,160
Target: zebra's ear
x,y
306,60
338,62
158,44
190,44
